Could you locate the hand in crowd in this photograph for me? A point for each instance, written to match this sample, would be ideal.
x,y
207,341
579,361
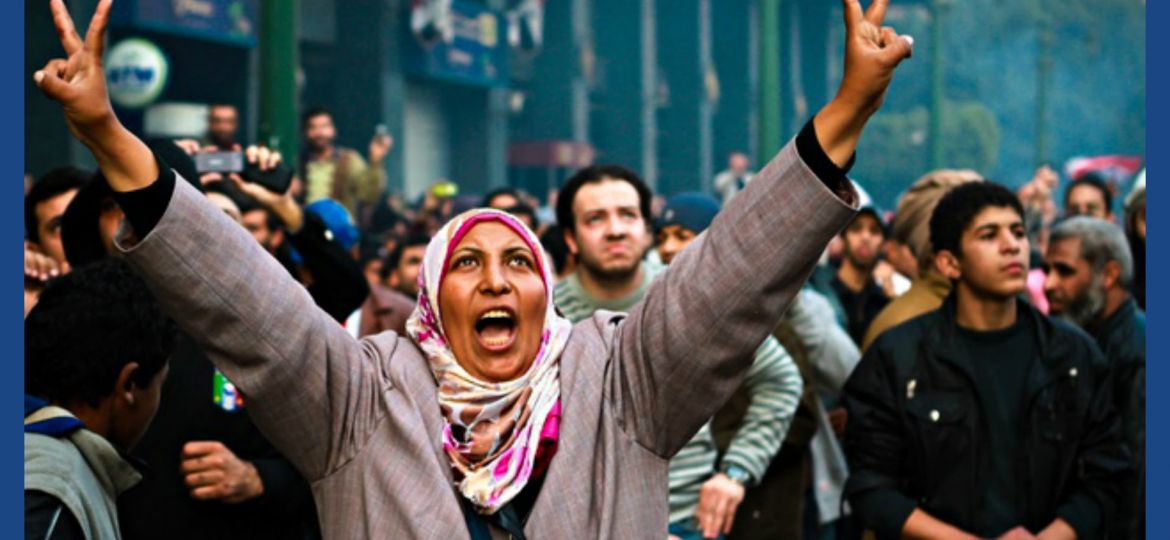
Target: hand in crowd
x,y
282,204
380,147
883,274
838,418
214,473
1018,533
41,267
719,498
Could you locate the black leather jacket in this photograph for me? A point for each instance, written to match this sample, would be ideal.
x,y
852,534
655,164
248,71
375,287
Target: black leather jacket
x,y
917,430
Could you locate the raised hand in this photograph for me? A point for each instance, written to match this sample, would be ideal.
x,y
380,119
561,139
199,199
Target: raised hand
x,y
78,83
872,53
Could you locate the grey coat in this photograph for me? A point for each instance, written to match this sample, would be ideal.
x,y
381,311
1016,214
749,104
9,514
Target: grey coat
x,y
360,418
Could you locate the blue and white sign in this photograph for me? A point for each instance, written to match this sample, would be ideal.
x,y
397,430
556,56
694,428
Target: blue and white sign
x,y
459,42
227,21
136,73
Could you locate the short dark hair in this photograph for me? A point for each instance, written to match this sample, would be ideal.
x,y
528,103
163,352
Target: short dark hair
x,y
487,199
1092,180
86,327
416,236
553,241
52,184
592,175
959,207
311,113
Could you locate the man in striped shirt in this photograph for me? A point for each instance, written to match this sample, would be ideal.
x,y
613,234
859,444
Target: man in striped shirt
x,y
602,211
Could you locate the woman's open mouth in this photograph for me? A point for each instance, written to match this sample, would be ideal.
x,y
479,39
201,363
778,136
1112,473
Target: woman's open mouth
x,y
496,329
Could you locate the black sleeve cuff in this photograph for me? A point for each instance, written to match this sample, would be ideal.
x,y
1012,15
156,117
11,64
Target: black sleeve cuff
x,y
884,511
814,156
1083,514
145,207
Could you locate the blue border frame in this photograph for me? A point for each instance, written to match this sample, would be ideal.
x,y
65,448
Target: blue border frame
x,y
1158,344
12,155
12,210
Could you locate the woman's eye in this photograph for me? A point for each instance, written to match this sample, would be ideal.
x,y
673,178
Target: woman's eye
x,y
520,261
463,261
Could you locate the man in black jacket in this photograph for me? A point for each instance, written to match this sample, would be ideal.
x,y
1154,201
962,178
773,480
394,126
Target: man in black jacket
x,y
1090,275
984,418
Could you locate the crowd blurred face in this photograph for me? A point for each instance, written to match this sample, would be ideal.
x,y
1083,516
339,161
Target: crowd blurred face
x,y
225,203
133,407
503,201
1075,292
862,241
222,123
320,133
373,271
50,212
993,257
404,278
492,301
737,162
672,239
1139,221
256,221
1086,200
610,234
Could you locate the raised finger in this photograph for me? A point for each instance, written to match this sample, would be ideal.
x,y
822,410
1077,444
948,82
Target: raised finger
x,y
250,154
274,159
65,29
95,37
877,12
853,13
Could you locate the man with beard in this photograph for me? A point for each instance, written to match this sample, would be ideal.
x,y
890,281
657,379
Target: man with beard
x,y
223,121
983,418
334,172
860,295
603,210
1090,275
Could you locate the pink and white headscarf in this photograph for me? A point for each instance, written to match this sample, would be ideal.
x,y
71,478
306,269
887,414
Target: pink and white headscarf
x,y
494,433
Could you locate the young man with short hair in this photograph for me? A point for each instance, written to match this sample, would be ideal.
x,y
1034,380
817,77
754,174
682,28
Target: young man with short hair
x,y
854,283
96,349
403,264
985,417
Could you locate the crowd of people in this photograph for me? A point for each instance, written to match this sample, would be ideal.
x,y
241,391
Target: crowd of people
x,y
285,349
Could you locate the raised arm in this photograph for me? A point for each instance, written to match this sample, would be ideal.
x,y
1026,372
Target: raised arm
x,y
312,389
695,330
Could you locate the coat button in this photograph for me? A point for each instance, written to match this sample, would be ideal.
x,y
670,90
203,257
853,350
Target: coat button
x,y
934,415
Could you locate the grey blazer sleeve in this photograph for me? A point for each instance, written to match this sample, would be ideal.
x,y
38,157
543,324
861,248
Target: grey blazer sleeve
x,y
313,390
686,346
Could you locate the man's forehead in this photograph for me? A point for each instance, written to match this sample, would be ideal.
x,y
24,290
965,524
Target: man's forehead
x,y
606,193
999,216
